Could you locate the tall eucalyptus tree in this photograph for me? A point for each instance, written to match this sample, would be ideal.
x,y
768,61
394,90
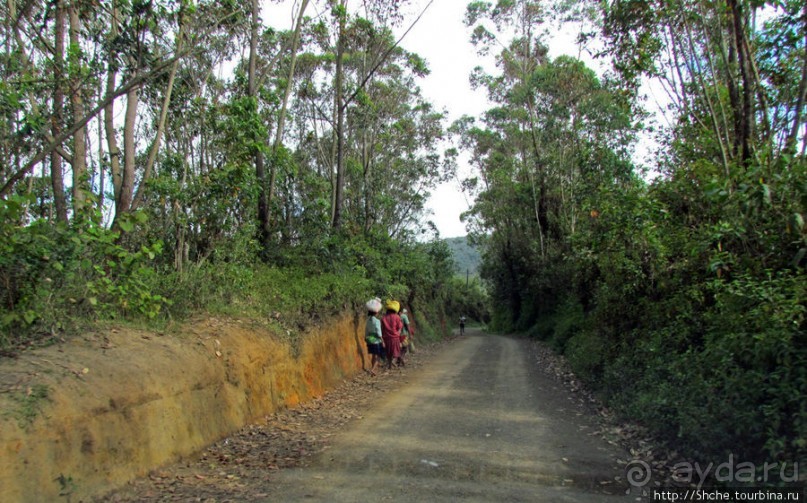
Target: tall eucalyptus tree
x,y
557,135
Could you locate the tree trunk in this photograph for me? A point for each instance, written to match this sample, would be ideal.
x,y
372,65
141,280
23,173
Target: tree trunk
x,y
54,143
746,112
155,147
109,114
56,176
281,120
124,202
260,171
80,136
793,137
338,199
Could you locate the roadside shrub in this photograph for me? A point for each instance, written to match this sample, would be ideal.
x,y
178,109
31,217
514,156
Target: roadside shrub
x,y
586,351
568,321
56,277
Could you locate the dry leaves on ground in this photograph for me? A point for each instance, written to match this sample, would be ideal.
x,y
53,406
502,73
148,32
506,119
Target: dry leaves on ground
x,y
238,468
639,445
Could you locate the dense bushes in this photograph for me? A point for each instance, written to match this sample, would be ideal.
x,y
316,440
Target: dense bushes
x,y
682,301
53,277
56,279
688,313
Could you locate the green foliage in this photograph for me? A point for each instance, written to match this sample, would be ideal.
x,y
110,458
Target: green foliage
x,y
681,301
196,245
59,277
693,325
700,328
587,353
54,276
467,298
560,326
313,281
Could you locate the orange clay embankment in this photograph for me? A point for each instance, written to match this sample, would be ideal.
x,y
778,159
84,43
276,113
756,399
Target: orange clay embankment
x,y
121,404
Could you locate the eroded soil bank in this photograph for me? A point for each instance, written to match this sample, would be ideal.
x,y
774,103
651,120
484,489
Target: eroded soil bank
x,y
83,418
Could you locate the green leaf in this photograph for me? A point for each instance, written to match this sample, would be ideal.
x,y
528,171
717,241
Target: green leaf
x,y
29,316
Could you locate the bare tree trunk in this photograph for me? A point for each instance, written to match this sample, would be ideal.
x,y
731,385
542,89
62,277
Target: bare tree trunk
x,y
124,201
80,136
260,171
746,111
801,98
109,114
155,147
52,144
339,188
537,196
281,120
180,250
101,168
705,92
368,176
56,176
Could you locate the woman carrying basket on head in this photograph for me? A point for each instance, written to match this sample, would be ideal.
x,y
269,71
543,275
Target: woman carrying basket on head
x,y
391,326
372,334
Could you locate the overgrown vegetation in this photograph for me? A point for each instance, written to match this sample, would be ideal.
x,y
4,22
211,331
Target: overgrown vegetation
x,y
682,300
58,280
289,189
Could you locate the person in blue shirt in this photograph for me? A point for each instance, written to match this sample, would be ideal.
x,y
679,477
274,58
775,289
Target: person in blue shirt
x,y
372,337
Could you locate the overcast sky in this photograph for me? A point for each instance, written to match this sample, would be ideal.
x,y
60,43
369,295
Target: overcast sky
x,y
442,39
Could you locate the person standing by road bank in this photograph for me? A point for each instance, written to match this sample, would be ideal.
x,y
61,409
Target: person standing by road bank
x,y
372,334
407,333
391,326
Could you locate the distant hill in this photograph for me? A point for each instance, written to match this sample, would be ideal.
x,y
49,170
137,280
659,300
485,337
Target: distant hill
x,y
466,257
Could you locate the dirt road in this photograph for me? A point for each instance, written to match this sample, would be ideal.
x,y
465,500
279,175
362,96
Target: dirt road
x,y
479,423
481,418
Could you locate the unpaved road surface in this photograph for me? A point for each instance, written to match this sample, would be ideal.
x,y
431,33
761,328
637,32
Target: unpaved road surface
x,y
480,420
478,423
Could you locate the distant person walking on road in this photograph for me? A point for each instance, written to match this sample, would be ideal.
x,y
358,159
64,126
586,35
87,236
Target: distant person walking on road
x,y
407,342
372,334
391,326
462,325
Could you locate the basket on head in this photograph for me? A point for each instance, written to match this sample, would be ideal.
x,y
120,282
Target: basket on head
x,y
392,305
373,305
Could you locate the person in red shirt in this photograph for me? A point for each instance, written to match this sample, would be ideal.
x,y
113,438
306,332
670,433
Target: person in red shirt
x,y
391,326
